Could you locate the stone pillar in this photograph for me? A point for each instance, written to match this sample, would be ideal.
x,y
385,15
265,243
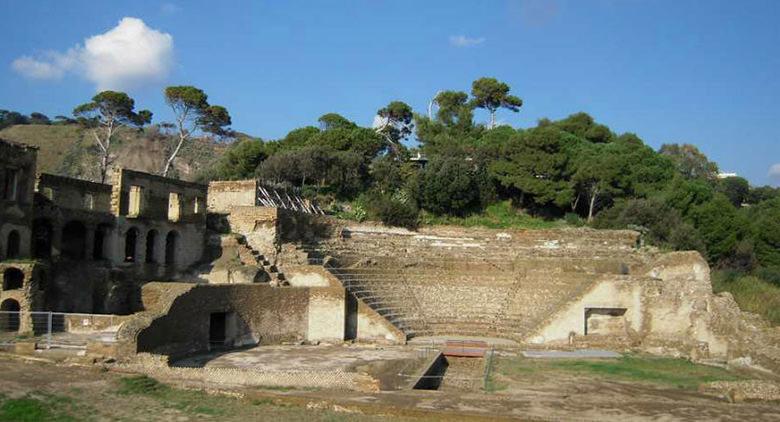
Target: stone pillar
x,y
159,248
56,240
140,247
114,246
89,240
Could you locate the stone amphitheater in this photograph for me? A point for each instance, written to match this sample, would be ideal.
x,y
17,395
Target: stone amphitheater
x,y
153,273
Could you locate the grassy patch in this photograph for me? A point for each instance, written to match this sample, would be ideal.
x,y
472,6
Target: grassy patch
x,y
36,407
679,373
190,402
500,215
751,293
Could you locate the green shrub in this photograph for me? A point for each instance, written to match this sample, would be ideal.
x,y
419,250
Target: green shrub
x,y
573,219
395,213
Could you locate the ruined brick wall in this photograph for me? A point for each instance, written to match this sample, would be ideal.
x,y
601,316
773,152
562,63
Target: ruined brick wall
x,y
260,227
156,192
70,193
17,186
264,315
224,195
28,296
154,218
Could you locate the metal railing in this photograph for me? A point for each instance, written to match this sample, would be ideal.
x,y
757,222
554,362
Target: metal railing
x,y
57,329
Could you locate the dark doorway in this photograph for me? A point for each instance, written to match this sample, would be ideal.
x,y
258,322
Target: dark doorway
x,y
9,315
351,322
13,278
131,238
217,329
41,237
74,240
151,241
98,248
170,247
12,248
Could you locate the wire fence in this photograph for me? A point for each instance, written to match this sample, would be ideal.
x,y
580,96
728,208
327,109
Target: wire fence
x,y
57,329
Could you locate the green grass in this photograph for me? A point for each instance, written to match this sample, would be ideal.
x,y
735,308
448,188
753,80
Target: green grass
x,y
677,373
37,407
500,215
187,401
751,293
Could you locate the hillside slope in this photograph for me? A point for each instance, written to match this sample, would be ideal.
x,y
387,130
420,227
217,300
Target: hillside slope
x,y
70,150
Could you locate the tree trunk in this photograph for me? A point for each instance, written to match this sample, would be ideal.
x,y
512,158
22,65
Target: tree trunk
x,y
492,119
103,167
169,162
575,203
592,205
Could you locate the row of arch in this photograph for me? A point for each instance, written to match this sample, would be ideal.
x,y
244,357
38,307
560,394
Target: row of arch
x,y
74,242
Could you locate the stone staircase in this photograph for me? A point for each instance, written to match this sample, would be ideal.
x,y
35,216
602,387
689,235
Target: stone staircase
x,y
251,256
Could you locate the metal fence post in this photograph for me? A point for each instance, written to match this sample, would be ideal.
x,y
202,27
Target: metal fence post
x,y
48,330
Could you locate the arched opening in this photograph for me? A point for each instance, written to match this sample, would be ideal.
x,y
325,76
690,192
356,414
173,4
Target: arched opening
x,y
131,237
98,245
12,246
170,247
13,278
41,238
151,241
9,315
74,240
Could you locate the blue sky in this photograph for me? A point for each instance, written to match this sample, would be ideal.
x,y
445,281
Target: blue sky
x,y
701,72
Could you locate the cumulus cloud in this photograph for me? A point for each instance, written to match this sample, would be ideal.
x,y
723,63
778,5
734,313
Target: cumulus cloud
x,y
129,55
464,41
774,171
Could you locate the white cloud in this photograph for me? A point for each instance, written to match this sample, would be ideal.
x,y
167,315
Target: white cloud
x,y
129,55
37,69
464,41
774,171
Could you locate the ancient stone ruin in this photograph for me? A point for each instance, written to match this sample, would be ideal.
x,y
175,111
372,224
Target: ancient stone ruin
x,y
182,268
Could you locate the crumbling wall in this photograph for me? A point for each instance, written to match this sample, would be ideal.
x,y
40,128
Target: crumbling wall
x,y
224,195
29,295
259,225
155,194
264,314
67,192
17,186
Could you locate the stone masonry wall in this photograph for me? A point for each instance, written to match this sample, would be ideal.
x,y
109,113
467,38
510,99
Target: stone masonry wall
x,y
16,207
70,193
224,195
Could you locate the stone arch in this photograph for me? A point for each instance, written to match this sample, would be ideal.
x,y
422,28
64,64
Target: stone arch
x,y
74,240
9,317
151,246
171,241
42,232
13,278
131,241
13,245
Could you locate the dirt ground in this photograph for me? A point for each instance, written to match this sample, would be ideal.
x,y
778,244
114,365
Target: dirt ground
x,y
92,393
